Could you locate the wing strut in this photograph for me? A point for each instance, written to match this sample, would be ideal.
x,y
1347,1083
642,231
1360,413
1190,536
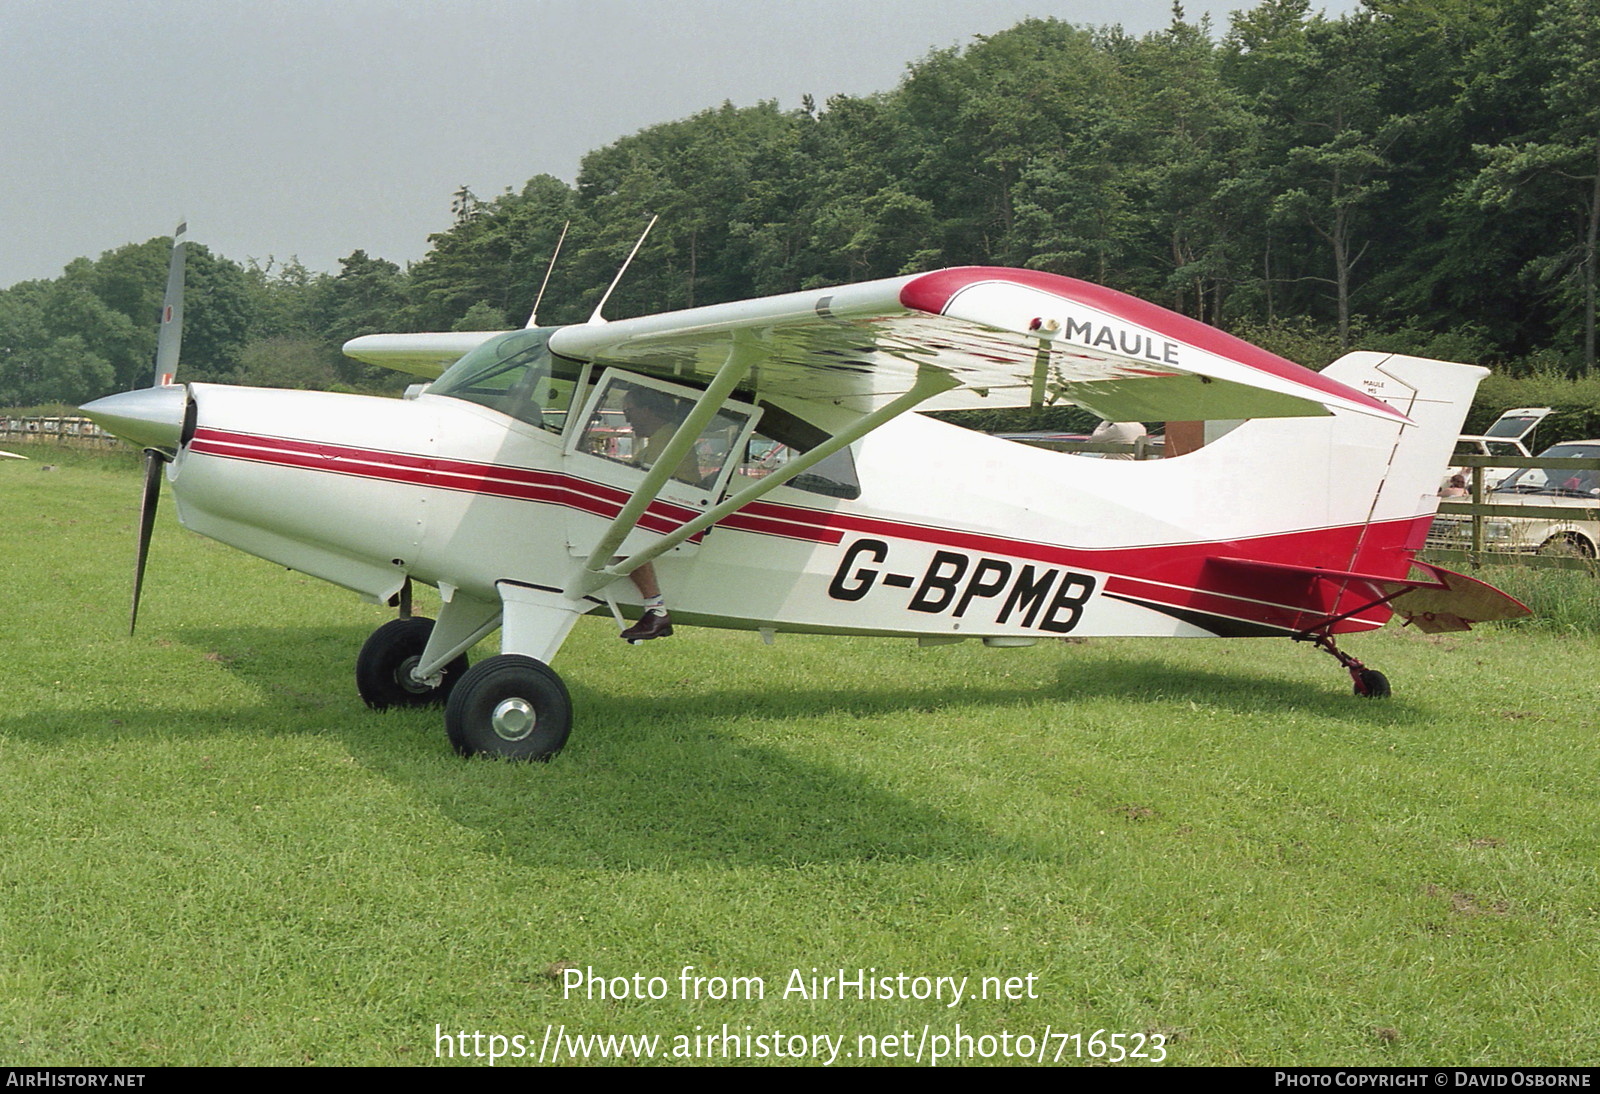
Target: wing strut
x,y
595,574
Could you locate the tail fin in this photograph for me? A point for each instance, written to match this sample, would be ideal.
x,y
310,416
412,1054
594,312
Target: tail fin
x,y
1362,490
1345,493
1435,395
1350,469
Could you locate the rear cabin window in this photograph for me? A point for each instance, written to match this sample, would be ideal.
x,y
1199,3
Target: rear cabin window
x,y
781,437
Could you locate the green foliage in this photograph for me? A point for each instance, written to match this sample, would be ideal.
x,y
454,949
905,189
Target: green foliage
x,y
282,298
497,258
1054,419
217,317
1417,176
289,362
482,316
1575,402
1316,346
1563,601
1551,170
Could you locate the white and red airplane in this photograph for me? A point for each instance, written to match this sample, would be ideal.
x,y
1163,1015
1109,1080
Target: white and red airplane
x,y
802,492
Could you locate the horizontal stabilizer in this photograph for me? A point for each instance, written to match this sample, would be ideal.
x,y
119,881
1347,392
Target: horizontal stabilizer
x,y
1442,601
1454,603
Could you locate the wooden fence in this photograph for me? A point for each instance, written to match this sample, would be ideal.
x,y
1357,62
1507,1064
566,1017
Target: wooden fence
x,y
1477,546
56,429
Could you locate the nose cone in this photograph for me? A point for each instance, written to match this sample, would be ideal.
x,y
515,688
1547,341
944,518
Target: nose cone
x,y
151,417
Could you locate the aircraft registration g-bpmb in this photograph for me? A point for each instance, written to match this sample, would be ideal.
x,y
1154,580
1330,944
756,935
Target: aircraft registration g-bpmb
x,y
800,491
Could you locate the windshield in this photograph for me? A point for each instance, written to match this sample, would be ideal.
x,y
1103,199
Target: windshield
x,y
1557,481
515,374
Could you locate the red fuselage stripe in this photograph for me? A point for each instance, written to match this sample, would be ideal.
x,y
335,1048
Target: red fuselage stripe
x,y
520,483
1179,575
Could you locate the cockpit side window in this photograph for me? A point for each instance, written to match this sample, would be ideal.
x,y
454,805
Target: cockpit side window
x,y
516,374
633,423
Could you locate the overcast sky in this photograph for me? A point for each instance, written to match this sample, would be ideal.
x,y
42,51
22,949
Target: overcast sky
x,y
311,128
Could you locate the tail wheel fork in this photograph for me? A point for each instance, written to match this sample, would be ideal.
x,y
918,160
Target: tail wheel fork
x,y
1369,683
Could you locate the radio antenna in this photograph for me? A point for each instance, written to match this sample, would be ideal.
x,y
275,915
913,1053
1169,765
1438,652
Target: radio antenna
x,y
597,317
533,316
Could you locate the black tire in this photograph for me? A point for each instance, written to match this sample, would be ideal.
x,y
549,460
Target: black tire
x,y
1372,684
1567,545
509,706
383,667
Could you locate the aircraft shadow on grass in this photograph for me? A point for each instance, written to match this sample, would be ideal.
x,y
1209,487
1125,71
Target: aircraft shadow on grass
x,y
676,781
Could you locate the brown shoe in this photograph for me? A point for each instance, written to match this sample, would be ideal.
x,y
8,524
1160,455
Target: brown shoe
x,y
655,623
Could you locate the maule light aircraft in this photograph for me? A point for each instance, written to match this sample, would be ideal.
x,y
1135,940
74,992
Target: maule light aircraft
x,y
802,492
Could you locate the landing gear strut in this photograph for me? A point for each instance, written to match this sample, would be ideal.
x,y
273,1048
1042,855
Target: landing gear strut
x,y
1369,683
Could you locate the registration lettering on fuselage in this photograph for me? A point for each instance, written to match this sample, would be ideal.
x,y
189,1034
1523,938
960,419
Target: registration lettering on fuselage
x,y
955,583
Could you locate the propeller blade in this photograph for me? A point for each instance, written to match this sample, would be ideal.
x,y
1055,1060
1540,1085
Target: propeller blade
x,y
153,462
169,336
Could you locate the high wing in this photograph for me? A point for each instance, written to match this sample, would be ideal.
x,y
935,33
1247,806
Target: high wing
x,y
997,337
1004,337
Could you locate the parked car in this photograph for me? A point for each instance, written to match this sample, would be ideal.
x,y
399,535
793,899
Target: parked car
x,y
1508,436
1546,487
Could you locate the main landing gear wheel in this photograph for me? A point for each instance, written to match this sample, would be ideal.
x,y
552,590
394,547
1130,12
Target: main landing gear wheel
x,y
383,667
509,706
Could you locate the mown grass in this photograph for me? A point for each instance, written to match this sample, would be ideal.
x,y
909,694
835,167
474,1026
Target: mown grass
x,y
215,855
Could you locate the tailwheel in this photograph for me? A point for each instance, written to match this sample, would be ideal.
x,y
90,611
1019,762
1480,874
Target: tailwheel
x,y
1368,683
384,667
509,706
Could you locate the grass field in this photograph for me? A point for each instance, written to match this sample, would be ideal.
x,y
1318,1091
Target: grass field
x,y
215,854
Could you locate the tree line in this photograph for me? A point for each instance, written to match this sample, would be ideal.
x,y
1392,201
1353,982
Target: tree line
x,y
1419,175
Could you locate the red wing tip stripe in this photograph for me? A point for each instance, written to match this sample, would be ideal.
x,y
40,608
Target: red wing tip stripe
x,y
935,292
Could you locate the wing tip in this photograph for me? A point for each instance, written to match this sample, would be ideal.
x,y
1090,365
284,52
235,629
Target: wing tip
x,y
936,293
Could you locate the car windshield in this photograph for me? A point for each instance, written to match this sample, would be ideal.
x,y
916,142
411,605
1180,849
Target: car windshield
x,y
1557,481
1512,427
515,374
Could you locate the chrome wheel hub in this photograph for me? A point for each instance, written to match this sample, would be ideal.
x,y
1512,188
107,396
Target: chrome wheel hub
x,y
513,719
